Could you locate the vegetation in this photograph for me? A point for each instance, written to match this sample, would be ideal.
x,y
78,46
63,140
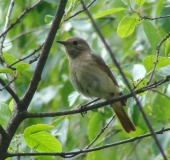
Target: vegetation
x,y
43,117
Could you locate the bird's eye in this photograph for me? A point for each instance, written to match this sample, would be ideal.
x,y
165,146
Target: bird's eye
x,y
75,43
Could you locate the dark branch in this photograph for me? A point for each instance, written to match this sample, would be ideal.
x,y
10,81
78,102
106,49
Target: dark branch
x,y
9,90
95,106
156,18
157,56
44,55
63,154
75,14
36,50
125,79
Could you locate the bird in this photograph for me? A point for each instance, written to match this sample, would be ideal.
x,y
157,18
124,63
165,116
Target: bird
x,y
91,77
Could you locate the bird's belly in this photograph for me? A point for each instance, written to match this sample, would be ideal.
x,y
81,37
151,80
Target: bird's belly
x,y
93,82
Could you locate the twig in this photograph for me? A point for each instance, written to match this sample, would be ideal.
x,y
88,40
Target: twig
x,y
20,17
96,138
9,90
126,81
75,14
63,154
95,106
6,25
157,56
156,18
43,56
36,50
34,59
132,149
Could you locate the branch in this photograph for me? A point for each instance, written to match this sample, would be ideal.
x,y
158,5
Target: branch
x,y
19,60
20,17
156,18
44,55
96,138
95,106
9,90
63,154
75,14
157,56
125,79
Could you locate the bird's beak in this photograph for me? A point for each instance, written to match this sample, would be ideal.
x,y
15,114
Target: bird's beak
x,y
62,42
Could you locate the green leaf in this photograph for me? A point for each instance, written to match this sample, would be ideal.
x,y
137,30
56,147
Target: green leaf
x,y
151,33
41,141
9,59
36,128
22,66
140,2
11,104
6,70
127,26
167,47
48,19
149,61
108,12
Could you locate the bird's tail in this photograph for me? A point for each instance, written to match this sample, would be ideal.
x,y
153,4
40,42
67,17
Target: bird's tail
x,y
127,124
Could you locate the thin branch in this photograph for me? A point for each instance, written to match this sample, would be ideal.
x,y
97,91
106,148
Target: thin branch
x,y
63,154
95,106
43,56
156,18
157,56
75,14
19,60
96,138
132,149
125,79
20,17
9,90
34,59
3,132
6,25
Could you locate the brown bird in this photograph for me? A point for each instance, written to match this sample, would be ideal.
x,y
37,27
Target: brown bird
x,y
91,77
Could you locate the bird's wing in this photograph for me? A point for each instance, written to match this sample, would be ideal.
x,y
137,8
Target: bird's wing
x,y
104,67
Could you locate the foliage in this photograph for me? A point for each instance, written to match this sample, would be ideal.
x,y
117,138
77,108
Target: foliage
x,y
142,48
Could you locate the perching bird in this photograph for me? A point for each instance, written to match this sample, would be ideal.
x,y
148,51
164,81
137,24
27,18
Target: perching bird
x,y
91,77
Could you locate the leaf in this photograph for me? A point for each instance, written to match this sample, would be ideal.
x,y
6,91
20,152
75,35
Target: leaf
x,y
20,66
9,59
36,128
6,70
149,61
127,26
11,104
48,18
41,141
108,12
140,2
151,33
